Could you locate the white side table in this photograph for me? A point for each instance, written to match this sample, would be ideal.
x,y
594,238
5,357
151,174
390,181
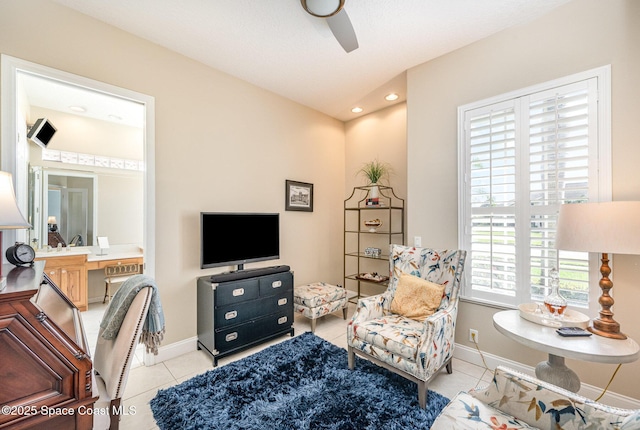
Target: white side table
x,y
593,348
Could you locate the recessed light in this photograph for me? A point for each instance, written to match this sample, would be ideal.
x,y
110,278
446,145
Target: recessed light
x,y
357,109
78,109
391,97
115,117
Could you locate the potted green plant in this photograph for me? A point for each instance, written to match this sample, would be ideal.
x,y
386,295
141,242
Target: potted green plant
x,y
375,171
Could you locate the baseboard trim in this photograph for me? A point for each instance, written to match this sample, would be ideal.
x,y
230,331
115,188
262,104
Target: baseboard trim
x,y
472,355
170,351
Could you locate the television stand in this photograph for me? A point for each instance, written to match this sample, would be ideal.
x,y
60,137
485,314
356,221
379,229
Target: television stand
x,y
233,315
249,273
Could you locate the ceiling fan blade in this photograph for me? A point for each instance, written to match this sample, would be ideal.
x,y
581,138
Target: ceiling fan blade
x,y
341,27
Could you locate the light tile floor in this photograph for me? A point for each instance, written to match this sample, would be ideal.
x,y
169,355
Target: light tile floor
x,y
144,382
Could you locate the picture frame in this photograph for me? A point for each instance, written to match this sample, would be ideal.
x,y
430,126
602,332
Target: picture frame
x,y
298,196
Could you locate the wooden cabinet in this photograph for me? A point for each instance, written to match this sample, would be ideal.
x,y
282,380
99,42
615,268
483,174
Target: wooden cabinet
x,y
69,273
45,370
237,314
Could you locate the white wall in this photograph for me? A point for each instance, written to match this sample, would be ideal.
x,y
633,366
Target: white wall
x,y
380,135
579,36
221,145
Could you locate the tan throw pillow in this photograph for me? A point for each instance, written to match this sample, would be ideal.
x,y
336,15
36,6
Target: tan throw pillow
x,y
416,298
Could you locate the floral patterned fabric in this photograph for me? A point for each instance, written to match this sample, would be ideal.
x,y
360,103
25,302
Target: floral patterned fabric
x,y
419,348
394,333
517,401
465,412
318,299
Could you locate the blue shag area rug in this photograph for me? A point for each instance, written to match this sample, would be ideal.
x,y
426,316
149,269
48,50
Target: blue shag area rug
x,y
302,383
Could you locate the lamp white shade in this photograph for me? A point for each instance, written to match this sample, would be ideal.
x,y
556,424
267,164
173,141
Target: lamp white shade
x,y
608,227
52,220
10,215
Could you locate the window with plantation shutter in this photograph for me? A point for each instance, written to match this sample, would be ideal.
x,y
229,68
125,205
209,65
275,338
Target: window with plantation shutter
x,y
521,156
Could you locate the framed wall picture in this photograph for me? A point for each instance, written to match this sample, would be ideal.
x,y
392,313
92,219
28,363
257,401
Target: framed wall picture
x,y
298,196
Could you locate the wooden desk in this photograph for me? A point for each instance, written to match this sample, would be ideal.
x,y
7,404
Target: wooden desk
x,y
70,269
99,262
592,348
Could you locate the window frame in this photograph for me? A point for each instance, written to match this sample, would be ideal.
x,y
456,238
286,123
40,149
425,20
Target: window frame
x,y
602,77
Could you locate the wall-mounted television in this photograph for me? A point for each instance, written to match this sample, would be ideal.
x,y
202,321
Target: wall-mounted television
x,y
237,238
42,132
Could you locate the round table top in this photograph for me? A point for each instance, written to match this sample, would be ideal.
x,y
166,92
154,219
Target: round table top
x,y
587,348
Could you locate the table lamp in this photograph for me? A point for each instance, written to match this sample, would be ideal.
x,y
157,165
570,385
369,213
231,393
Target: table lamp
x,y
609,227
52,223
10,215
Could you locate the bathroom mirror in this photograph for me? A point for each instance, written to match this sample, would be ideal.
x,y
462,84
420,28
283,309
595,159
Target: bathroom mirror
x,y
63,207
117,184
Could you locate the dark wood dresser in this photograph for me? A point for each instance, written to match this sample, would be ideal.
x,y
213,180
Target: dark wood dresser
x,y
45,367
236,314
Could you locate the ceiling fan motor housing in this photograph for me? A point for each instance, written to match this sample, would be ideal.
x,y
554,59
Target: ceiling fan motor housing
x,y
322,8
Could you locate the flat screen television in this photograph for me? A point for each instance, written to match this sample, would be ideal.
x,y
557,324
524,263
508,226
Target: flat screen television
x,y
42,132
228,239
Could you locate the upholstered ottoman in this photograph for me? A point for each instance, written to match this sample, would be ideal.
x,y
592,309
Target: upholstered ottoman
x,y
319,299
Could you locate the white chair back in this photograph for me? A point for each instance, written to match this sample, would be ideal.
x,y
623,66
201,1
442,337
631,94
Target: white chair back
x,y
113,358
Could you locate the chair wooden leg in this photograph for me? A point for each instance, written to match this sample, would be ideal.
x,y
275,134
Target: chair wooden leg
x,y
351,358
114,414
344,312
422,394
449,367
106,292
313,326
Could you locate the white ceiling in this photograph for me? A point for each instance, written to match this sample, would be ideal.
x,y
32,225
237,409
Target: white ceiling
x,y
62,97
276,45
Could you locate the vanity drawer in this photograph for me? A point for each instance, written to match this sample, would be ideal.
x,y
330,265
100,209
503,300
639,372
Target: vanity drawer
x,y
239,313
245,334
274,284
236,292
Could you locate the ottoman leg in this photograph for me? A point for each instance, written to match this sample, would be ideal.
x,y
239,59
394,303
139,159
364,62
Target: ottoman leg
x,y
313,326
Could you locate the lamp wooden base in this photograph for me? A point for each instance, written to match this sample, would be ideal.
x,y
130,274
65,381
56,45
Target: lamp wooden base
x,y
608,331
606,326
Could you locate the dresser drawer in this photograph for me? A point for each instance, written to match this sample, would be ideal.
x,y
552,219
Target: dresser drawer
x,y
244,334
236,292
274,284
238,313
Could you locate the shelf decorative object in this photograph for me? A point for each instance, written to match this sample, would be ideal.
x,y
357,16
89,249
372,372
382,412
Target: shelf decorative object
x,y
375,171
371,225
373,277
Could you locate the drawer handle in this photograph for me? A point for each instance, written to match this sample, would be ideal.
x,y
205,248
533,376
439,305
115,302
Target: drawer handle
x,y
276,284
238,292
282,302
282,320
230,315
231,336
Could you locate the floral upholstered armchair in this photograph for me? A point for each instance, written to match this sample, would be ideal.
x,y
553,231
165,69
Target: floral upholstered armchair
x,y
415,348
515,401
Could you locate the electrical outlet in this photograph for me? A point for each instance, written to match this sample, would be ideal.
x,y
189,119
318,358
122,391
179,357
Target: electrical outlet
x,y
473,335
417,241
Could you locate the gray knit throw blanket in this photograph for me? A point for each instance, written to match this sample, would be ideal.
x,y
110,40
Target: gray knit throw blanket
x,y
153,330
